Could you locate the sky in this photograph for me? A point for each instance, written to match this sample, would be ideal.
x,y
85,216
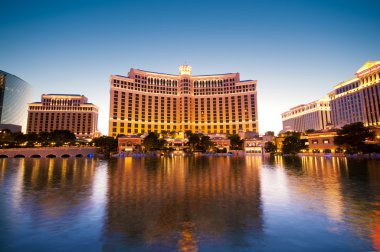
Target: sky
x,y
296,50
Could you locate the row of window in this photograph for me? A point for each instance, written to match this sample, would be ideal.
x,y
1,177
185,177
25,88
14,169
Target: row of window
x,y
60,108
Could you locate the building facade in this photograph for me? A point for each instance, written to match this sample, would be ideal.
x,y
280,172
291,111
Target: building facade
x,y
314,115
15,94
147,101
129,143
345,103
369,77
322,141
63,112
354,100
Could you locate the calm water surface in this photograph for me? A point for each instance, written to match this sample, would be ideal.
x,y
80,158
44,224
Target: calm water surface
x,y
189,204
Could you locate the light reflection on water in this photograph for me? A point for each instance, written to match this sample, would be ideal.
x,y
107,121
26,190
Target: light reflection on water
x,y
189,204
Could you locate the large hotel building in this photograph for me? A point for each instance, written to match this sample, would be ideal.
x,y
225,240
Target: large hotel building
x,y
345,102
354,100
63,112
147,101
314,115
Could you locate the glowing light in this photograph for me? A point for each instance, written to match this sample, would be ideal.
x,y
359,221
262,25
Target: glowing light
x,y
185,70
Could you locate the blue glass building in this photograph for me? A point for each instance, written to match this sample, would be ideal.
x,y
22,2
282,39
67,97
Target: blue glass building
x,y
15,94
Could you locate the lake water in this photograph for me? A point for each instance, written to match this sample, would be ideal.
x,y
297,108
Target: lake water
x,y
190,204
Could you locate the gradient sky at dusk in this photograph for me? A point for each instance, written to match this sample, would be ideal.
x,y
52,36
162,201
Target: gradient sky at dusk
x,y
297,50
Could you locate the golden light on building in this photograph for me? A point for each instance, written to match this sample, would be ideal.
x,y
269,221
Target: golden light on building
x,y
147,101
185,70
63,112
314,115
353,100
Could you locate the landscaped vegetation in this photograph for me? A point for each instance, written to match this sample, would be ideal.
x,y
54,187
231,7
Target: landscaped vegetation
x,y
55,138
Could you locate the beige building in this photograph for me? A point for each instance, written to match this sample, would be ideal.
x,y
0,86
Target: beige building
x,y
369,77
220,141
322,141
345,103
254,145
129,143
147,101
63,112
314,115
353,100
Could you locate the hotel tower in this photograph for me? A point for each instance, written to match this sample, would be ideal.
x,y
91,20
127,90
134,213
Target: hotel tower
x,y
147,101
353,100
63,112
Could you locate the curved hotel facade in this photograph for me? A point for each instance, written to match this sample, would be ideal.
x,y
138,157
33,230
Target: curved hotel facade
x,y
147,101
314,115
15,94
353,100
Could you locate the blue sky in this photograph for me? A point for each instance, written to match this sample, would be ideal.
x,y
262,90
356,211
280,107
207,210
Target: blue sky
x,y
297,50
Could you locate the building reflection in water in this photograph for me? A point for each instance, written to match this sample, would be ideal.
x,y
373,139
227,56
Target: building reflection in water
x,y
340,188
181,201
189,203
50,187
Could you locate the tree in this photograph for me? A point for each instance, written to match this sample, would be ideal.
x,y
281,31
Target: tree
x,y
293,144
106,144
205,143
194,141
32,137
352,137
188,133
236,142
270,147
44,138
19,138
161,143
151,142
62,136
269,133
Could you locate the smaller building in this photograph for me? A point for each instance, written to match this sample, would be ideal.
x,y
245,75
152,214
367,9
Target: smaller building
x,y
322,141
129,143
176,141
220,141
254,145
11,127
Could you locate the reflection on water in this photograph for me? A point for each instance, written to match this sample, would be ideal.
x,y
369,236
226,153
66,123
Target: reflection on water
x,y
190,204
161,201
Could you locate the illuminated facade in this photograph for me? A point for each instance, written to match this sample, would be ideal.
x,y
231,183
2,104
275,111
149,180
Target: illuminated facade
x,y
314,115
148,101
15,94
369,77
345,103
354,100
358,99
63,112
321,141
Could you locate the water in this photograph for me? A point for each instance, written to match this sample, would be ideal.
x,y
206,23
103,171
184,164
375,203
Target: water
x,y
188,204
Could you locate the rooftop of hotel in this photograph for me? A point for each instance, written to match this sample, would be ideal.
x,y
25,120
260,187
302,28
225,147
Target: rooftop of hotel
x,y
368,65
202,75
65,95
85,103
